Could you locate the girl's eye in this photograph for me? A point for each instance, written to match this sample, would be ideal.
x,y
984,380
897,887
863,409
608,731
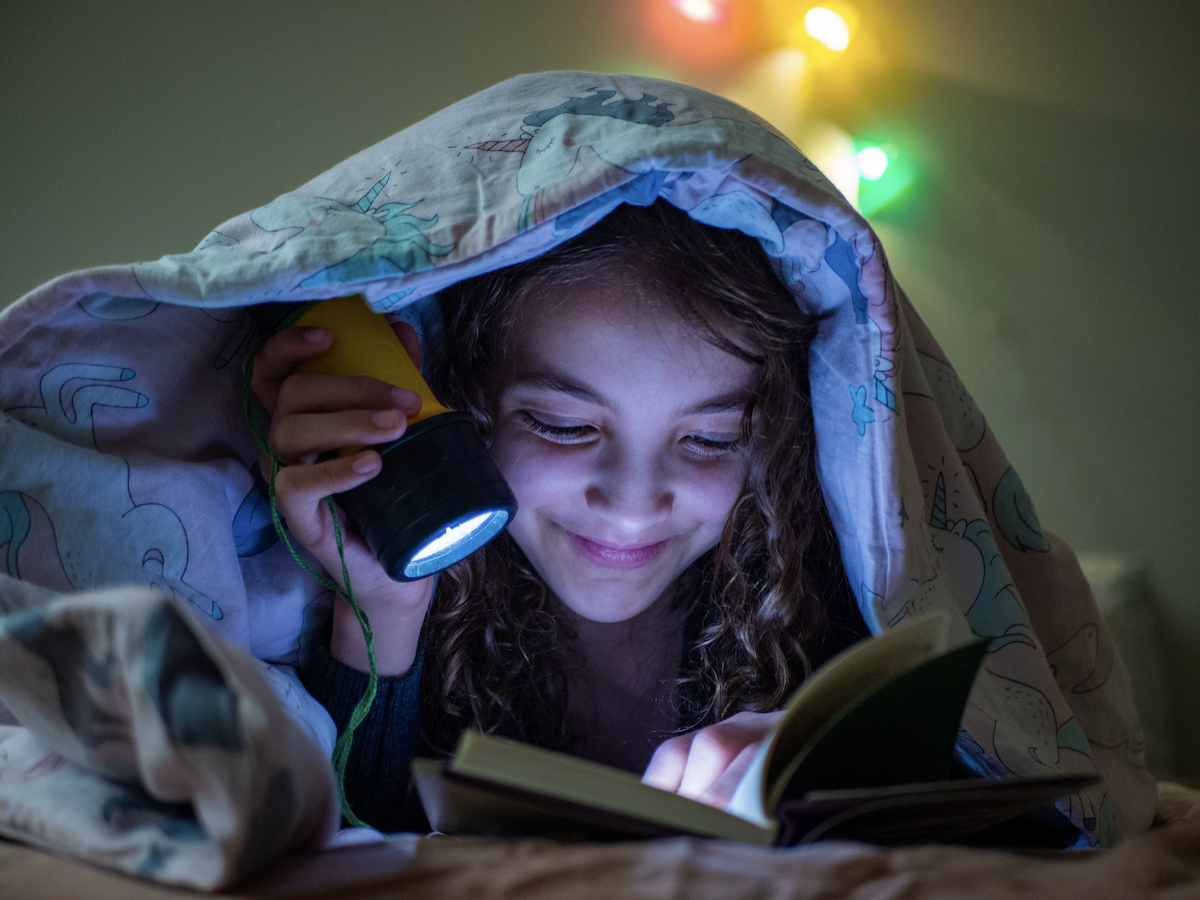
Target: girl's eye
x,y
705,446
558,434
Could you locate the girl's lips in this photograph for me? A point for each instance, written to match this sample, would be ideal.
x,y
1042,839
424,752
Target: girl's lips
x,y
617,557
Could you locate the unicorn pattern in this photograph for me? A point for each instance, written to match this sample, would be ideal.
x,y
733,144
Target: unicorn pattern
x,y
361,241
49,465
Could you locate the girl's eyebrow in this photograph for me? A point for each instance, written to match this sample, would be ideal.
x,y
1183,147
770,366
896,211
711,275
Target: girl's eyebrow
x,y
554,381
734,401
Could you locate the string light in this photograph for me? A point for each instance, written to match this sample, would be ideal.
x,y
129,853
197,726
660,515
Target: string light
x,y
827,27
769,54
872,163
886,179
703,36
708,11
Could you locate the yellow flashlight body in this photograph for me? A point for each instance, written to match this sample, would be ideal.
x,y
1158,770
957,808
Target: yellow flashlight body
x,y
439,495
365,344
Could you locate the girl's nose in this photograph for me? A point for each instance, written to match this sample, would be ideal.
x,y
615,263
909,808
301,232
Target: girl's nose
x,y
630,490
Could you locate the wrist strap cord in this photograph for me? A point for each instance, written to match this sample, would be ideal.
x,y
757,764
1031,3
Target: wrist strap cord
x,y
341,750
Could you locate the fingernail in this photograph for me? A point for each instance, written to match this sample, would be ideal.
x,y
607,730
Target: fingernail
x,y
386,418
315,335
366,462
407,399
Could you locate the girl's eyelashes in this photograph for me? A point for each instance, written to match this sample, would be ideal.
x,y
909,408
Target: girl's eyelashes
x,y
705,446
558,434
697,444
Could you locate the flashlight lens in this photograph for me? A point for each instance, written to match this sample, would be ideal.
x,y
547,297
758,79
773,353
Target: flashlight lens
x,y
457,541
438,497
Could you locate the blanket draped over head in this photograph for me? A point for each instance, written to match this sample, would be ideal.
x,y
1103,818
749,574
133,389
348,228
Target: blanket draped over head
x,y
143,572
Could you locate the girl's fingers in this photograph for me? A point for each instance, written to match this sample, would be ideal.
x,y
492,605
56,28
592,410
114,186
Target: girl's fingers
x,y
318,413
302,437
712,752
707,765
408,337
720,792
666,767
302,493
308,484
301,490
301,393
277,358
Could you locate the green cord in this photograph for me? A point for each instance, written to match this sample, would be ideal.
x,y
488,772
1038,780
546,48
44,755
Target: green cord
x,y
341,750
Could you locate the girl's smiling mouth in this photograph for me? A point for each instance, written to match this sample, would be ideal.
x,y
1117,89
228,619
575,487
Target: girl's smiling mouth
x,y
611,556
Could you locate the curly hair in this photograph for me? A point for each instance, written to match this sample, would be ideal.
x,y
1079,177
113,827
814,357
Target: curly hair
x,y
768,602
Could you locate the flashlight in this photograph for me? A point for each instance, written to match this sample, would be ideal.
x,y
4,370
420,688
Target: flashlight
x,y
439,496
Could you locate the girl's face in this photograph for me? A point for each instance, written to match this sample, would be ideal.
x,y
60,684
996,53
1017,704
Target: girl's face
x,y
618,430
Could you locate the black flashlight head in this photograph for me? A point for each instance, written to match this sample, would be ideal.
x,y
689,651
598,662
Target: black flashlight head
x,y
438,498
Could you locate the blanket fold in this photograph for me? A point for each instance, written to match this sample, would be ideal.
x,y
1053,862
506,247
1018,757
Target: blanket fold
x,y
204,777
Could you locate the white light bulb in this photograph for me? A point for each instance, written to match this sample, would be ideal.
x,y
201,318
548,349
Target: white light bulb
x,y
872,163
452,536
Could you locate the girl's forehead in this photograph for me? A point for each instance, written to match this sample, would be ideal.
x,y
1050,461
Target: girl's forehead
x,y
613,303
599,297
618,307
608,335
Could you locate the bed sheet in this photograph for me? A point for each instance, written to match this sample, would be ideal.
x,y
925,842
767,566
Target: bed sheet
x,y
1162,863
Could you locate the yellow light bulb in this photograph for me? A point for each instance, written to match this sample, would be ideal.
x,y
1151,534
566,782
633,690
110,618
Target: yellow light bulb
x,y
827,27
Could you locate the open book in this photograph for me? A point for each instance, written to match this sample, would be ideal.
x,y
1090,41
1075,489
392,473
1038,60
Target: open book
x,y
864,751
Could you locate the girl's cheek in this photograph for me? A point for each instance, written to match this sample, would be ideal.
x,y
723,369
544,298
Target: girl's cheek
x,y
538,474
718,488
509,451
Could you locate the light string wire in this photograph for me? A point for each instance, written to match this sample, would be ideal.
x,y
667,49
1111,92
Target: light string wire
x,y
341,749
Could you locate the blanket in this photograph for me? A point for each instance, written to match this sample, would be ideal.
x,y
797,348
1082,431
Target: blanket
x,y
127,469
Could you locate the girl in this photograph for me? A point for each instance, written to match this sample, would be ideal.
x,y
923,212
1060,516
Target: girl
x,y
670,567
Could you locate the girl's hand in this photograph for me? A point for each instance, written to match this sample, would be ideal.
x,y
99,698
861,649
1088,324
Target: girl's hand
x,y
707,764
310,416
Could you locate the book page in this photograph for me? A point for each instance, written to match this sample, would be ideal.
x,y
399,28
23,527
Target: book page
x,y
580,781
747,799
854,672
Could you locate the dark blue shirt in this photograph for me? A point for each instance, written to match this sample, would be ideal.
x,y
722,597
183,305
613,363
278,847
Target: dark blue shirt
x,y
378,782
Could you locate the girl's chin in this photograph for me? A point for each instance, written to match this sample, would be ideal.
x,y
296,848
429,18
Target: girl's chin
x,y
604,610
610,600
